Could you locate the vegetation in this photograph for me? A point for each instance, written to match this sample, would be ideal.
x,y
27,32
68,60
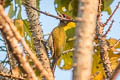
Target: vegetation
x,y
77,39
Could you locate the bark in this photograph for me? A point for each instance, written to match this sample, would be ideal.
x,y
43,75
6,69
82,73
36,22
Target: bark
x,y
104,55
87,12
38,36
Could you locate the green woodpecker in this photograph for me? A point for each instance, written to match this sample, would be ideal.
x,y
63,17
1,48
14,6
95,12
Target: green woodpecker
x,y
58,38
59,41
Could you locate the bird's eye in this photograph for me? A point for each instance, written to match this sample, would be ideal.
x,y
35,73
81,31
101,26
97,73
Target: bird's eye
x,y
64,16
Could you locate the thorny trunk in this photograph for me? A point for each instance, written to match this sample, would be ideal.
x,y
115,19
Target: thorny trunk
x,y
103,45
38,36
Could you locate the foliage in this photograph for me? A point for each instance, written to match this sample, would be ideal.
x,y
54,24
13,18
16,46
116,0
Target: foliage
x,y
67,58
28,35
65,61
97,69
19,24
106,6
15,8
68,7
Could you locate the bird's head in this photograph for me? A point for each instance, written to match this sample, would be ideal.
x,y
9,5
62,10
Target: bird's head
x,y
63,17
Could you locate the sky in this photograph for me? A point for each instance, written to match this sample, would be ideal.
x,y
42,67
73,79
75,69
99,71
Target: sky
x,y
48,23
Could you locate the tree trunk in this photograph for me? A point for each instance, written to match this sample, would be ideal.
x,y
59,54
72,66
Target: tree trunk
x,y
87,12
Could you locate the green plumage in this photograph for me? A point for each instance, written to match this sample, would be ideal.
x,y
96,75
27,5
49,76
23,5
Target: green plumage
x,y
59,41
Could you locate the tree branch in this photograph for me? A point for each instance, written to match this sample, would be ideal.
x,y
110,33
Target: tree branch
x,y
116,73
37,35
115,44
14,44
10,76
111,15
108,29
13,34
45,13
67,51
103,45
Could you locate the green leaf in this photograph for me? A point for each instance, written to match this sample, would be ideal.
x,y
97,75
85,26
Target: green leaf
x,y
11,11
37,6
68,7
97,66
19,13
38,2
113,41
106,6
7,3
19,24
28,35
19,2
74,5
67,58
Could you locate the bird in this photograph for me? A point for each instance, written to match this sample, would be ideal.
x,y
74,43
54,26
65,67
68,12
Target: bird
x,y
57,40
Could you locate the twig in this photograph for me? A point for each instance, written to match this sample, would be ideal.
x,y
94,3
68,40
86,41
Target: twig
x,y
1,40
108,29
4,61
98,28
3,68
45,13
67,51
116,73
46,34
115,44
99,9
111,15
1,48
11,76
